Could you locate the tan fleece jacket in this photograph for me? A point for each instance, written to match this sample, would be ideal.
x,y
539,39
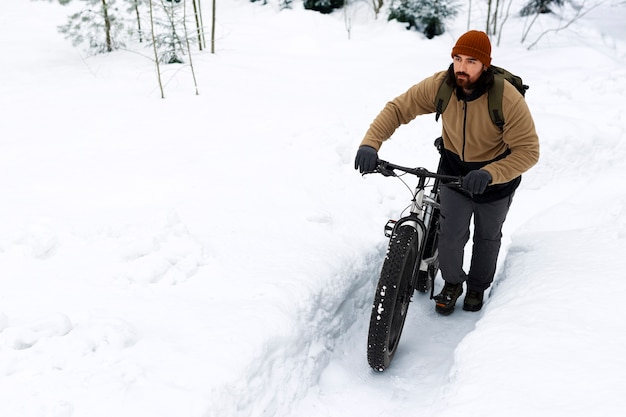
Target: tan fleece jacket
x,y
467,128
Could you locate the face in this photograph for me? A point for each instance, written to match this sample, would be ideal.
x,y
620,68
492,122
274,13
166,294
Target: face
x,y
467,70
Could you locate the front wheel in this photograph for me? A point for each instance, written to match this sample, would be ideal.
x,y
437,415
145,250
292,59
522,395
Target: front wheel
x,y
391,301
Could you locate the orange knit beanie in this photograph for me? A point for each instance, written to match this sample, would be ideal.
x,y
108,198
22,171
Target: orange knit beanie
x,y
475,44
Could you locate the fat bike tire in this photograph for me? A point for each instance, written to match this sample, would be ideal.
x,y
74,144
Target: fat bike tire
x,y
392,298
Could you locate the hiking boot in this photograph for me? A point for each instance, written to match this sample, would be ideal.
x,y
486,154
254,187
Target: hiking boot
x,y
446,299
473,300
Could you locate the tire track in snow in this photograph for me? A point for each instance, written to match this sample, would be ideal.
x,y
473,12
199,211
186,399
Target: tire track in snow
x,y
413,382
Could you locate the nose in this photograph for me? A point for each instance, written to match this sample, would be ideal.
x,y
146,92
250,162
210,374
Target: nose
x,y
462,65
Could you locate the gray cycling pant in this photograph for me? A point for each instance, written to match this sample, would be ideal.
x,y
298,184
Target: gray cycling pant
x,y
454,232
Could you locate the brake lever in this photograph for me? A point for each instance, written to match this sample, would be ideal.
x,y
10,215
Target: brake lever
x,y
457,185
382,168
386,172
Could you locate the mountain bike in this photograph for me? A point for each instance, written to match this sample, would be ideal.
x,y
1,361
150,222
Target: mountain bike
x,y
411,263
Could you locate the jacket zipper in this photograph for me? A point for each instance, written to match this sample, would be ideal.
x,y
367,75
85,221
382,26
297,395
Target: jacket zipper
x,y
464,127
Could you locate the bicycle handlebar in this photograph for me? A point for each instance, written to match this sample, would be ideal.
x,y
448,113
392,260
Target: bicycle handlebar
x,y
387,169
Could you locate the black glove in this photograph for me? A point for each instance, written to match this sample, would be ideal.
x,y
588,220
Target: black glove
x,y
476,181
366,158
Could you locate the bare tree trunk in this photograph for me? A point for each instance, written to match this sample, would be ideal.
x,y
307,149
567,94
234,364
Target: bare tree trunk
x,y
377,4
156,55
469,15
213,28
494,29
198,27
193,73
506,16
201,23
488,16
346,19
107,26
138,21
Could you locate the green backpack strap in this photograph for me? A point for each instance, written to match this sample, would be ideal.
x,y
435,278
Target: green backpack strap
x,y
495,101
443,97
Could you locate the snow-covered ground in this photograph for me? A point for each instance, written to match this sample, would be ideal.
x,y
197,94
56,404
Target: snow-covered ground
x,y
216,255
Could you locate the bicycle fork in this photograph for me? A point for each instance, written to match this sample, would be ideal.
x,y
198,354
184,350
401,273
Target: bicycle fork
x,y
429,255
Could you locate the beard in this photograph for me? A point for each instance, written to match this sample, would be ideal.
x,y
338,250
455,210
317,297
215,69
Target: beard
x,y
463,80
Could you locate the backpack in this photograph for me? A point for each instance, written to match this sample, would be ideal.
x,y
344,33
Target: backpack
x,y
495,94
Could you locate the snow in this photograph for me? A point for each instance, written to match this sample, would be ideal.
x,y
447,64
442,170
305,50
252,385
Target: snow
x,y
216,254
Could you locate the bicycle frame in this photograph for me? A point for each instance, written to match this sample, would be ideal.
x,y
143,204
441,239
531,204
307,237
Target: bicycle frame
x,y
419,213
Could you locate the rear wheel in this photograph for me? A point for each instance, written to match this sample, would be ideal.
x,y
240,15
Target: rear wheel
x,y
391,301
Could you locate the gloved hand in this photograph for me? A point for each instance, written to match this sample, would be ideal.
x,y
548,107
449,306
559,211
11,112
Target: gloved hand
x,y
476,181
366,158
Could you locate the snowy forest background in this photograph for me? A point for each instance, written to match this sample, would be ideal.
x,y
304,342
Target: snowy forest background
x,y
172,26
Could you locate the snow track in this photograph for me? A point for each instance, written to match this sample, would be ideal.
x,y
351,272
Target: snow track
x,y
418,372
319,366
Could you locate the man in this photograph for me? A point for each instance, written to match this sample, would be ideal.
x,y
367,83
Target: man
x,y
490,158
